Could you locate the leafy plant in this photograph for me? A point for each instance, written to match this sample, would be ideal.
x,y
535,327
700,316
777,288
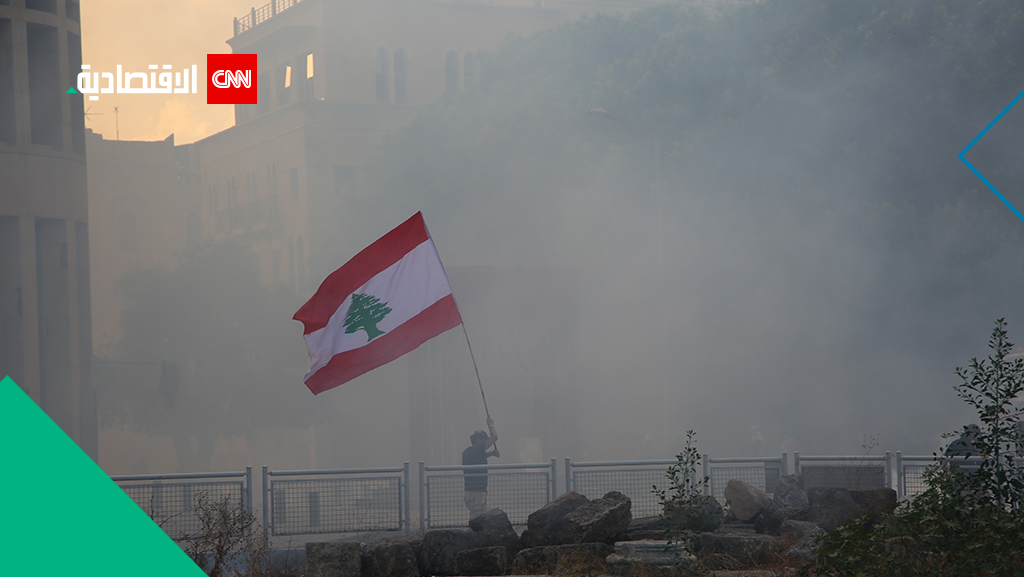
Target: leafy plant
x,y
968,522
230,541
685,508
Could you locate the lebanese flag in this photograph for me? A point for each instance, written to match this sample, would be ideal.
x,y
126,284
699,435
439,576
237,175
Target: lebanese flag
x,y
389,299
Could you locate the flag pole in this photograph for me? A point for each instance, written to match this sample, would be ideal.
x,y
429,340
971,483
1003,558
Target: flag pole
x,y
475,369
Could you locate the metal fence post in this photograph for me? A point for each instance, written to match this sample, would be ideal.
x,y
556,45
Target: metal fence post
x,y
554,480
266,507
707,475
405,473
423,498
568,474
796,462
900,478
247,494
888,470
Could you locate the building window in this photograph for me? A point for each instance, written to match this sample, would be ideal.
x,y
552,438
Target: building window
x,y
42,5
44,83
214,201
382,75
7,131
232,193
451,73
72,10
306,90
272,179
263,93
293,181
471,70
284,87
401,88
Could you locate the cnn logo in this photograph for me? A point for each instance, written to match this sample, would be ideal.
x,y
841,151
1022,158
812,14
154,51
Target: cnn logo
x,y
231,79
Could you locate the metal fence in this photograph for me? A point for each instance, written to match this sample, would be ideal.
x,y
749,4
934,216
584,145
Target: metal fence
x,y
864,472
336,501
350,500
634,479
910,470
761,472
518,490
171,500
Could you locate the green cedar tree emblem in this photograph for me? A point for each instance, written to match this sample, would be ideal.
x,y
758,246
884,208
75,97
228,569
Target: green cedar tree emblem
x,y
364,313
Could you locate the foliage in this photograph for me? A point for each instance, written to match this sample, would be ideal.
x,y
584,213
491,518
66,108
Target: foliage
x,y
968,522
683,503
230,541
231,358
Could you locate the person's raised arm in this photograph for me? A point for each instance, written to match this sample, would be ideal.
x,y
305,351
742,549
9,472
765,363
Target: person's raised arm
x,y
494,434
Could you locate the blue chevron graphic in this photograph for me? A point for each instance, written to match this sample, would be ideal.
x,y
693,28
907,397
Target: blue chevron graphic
x,y
975,170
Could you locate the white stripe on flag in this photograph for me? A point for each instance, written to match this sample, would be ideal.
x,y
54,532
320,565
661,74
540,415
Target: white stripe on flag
x,y
408,287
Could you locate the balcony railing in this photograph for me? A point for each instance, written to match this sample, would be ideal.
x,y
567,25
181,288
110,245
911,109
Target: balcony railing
x,y
257,16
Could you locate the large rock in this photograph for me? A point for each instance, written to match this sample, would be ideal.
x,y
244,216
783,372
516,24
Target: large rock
x,y
745,500
495,524
700,514
789,493
738,551
645,528
829,507
598,521
548,560
338,559
440,546
482,561
393,558
546,525
805,549
770,520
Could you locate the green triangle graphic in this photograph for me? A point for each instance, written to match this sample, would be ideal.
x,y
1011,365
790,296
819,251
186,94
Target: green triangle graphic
x,y
62,514
71,91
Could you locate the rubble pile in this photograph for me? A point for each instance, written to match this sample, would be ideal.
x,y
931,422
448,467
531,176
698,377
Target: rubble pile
x,y
573,531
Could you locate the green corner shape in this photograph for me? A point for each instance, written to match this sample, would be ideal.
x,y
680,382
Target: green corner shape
x,y
62,514
72,91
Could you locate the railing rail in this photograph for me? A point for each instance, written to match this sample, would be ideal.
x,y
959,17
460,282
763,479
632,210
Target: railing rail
x,y
257,16
336,500
301,502
848,472
635,479
761,472
170,499
517,489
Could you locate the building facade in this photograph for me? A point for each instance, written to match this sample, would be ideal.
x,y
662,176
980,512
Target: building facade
x,y
45,317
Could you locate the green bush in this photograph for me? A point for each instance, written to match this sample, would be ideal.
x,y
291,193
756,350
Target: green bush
x,y
968,522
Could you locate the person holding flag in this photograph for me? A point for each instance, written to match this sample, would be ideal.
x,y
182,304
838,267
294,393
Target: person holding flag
x,y
476,479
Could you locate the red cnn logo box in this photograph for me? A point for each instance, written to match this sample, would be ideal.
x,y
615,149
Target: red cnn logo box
x,y
231,79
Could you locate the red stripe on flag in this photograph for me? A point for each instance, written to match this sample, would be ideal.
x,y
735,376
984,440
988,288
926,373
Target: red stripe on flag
x,y
386,251
343,367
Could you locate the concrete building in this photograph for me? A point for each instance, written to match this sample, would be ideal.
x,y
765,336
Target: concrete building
x,y
144,203
45,326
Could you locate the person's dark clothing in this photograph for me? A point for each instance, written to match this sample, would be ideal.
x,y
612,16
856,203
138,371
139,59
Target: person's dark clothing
x,y
475,455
